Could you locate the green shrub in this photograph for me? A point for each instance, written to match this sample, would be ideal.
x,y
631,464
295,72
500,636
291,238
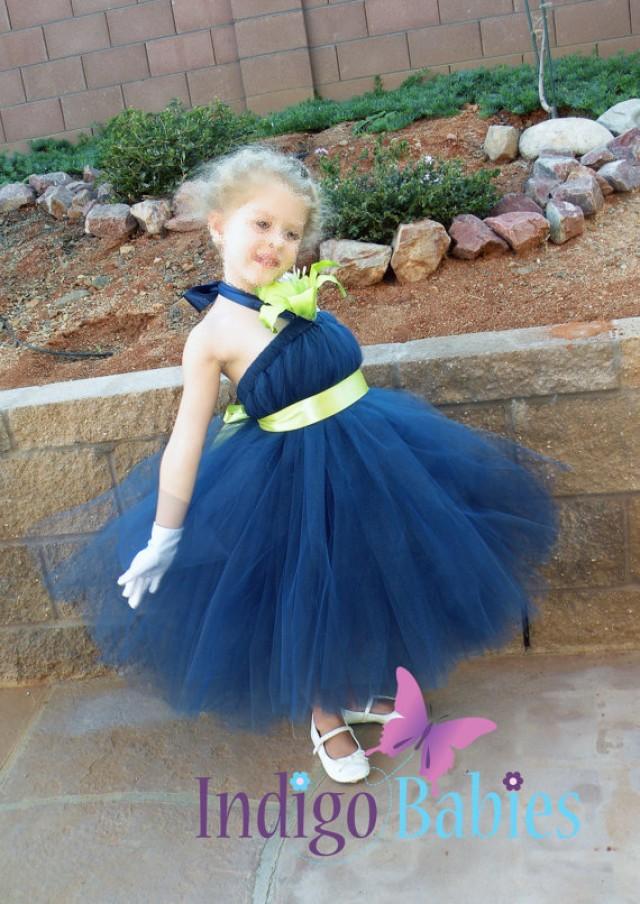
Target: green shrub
x,y
150,153
370,206
49,155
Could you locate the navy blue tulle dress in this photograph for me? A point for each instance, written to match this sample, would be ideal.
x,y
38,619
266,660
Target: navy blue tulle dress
x,y
315,561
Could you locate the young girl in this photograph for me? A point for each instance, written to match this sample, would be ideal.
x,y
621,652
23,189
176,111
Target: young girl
x,y
321,533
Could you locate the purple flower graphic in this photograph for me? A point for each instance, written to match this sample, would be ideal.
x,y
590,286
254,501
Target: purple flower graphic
x,y
299,781
513,781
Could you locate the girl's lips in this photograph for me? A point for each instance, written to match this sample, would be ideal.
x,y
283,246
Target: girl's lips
x,y
267,261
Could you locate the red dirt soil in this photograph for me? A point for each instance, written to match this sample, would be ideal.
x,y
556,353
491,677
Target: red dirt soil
x,y
140,317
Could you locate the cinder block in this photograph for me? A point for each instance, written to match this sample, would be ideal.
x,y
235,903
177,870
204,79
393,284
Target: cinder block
x,y
224,82
32,120
284,71
508,34
141,23
384,17
115,66
277,100
225,47
53,79
605,19
335,24
270,34
180,53
629,44
372,56
634,538
444,44
512,59
192,14
154,94
635,16
245,9
5,25
11,90
82,7
21,48
324,64
25,13
567,50
76,35
461,10
23,597
577,621
88,107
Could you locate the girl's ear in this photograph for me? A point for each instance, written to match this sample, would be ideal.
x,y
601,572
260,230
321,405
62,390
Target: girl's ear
x,y
215,223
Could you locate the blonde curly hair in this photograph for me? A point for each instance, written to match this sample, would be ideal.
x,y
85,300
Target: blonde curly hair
x,y
230,180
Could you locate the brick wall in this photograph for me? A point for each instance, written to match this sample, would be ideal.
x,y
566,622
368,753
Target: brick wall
x,y
66,65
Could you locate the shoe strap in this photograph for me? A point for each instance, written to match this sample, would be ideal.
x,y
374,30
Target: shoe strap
x,y
331,733
367,708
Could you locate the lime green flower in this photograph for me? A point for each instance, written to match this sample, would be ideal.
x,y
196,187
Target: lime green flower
x,y
295,291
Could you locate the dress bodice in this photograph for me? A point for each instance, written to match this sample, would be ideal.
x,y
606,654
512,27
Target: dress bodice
x,y
304,358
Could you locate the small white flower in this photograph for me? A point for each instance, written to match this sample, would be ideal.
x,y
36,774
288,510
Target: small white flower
x,y
321,152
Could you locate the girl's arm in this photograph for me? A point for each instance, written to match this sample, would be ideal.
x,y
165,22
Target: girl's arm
x,y
181,457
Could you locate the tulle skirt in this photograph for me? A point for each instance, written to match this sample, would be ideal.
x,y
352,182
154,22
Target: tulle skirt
x,y
314,562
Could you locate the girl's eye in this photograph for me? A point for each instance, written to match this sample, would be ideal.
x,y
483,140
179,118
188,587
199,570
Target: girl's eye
x,y
294,236
261,223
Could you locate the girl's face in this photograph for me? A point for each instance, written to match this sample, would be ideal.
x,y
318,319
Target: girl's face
x,y
259,240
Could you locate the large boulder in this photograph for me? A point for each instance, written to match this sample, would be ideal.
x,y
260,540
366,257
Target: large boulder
x,y
359,263
16,195
571,134
112,221
582,190
565,221
515,200
622,116
501,143
152,215
418,249
621,175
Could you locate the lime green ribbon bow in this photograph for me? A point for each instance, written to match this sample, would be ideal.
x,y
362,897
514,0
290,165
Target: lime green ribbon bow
x,y
296,292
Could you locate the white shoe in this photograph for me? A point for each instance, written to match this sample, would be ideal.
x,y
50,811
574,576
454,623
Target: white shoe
x,y
350,768
355,716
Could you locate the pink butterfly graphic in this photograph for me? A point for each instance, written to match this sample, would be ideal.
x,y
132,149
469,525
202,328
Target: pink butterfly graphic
x,y
412,726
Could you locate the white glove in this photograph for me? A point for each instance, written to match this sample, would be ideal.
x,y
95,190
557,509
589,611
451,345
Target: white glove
x,y
149,566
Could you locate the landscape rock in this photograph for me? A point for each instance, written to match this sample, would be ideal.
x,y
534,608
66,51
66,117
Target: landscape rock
x,y
501,143
515,200
583,191
597,156
152,215
15,195
556,167
565,220
572,134
56,200
539,189
626,146
621,175
418,249
605,187
622,116
40,182
112,221
473,238
90,173
360,263
184,223
522,230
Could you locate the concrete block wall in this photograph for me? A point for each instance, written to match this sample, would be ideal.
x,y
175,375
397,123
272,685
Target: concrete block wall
x,y
66,65
571,391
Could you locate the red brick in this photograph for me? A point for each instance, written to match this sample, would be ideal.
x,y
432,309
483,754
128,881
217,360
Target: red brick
x,y
81,7
460,10
444,44
276,72
32,120
386,53
334,24
192,14
247,9
90,107
115,66
629,44
508,34
25,13
224,82
20,48
11,90
270,34
153,94
225,48
141,22
76,35
384,17
5,25
324,64
180,53
52,79
277,100
605,19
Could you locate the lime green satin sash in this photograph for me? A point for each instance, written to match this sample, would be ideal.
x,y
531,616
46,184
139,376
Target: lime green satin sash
x,y
310,410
